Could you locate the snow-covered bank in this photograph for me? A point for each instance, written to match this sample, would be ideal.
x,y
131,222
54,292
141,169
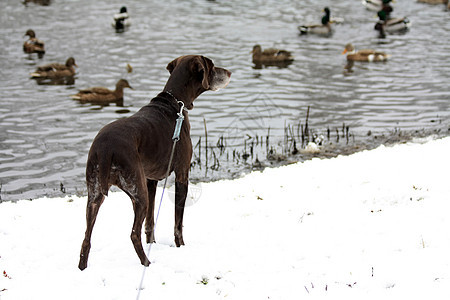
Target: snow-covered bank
x,y
372,225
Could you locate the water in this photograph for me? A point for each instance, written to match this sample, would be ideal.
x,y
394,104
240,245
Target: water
x,y
45,136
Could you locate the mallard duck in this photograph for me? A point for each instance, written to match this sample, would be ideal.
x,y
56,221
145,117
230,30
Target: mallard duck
x,y
337,20
56,70
101,95
392,25
376,5
323,29
33,45
270,55
121,20
368,55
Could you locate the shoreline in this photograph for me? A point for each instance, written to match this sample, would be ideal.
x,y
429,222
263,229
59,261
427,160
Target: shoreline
x,y
232,170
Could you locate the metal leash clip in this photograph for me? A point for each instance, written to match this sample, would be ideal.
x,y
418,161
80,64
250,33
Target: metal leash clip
x,y
180,119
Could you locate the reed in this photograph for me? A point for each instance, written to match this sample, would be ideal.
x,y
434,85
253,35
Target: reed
x,y
228,152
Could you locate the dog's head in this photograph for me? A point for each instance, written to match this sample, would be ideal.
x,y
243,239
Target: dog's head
x,y
198,73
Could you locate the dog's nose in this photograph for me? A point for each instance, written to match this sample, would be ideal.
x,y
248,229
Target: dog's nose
x,y
228,73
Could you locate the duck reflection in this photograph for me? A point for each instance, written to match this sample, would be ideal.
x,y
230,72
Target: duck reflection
x,y
66,80
279,64
39,2
348,68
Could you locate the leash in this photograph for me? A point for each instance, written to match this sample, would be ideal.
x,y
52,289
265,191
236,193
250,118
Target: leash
x,y
175,138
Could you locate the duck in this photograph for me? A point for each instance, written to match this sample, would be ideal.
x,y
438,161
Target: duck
x,y
33,45
368,55
270,55
322,29
121,20
56,70
102,95
391,25
376,5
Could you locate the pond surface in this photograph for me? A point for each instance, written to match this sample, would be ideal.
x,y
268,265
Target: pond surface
x,y
45,135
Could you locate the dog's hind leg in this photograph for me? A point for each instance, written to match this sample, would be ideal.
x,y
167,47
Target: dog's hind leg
x,y
149,220
181,190
95,200
135,187
140,208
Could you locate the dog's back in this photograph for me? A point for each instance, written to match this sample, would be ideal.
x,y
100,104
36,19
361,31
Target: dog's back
x,y
140,140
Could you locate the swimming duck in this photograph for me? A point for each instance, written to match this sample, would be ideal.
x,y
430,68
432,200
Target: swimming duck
x,y
121,20
101,95
56,70
392,25
323,29
270,55
368,55
376,5
33,45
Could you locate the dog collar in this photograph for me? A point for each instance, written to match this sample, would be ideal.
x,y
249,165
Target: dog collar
x,y
178,101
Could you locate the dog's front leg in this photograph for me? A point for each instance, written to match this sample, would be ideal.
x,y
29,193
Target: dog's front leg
x,y
181,190
149,220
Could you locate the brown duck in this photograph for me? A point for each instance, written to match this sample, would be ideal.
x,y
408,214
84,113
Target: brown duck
x,y
101,95
270,55
368,55
55,70
33,45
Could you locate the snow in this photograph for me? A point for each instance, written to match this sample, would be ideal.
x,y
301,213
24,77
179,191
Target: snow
x,y
372,225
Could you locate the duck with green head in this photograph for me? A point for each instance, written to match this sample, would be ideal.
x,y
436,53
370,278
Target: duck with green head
x,y
322,29
376,5
394,25
121,20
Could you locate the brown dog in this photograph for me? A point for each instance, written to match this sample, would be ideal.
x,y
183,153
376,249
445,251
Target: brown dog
x,y
133,153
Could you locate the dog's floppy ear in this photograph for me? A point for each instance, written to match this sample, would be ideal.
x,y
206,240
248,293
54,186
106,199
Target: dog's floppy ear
x,y
206,65
172,65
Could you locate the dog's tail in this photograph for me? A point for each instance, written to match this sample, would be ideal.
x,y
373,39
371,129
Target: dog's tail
x,y
104,168
97,171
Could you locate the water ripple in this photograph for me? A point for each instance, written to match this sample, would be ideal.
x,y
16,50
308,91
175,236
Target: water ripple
x,y
45,136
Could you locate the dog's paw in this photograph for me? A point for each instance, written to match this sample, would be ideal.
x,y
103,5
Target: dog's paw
x,y
179,241
82,265
150,238
146,262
